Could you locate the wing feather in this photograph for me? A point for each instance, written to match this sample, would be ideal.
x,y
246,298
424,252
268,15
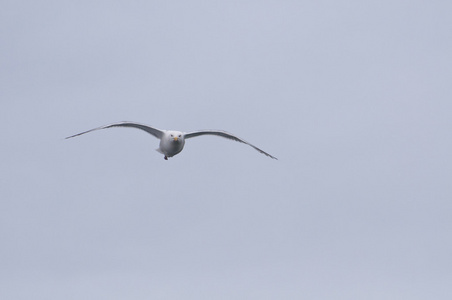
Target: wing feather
x,y
225,135
152,130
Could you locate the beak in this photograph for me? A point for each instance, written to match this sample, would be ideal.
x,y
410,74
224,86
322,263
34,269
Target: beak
x,y
176,138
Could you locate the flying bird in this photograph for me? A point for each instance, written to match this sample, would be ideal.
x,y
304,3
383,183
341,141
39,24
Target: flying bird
x,y
172,142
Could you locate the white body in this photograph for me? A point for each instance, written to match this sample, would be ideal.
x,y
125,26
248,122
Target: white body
x,y
171,143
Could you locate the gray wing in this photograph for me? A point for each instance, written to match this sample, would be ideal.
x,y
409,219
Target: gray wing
x,y
154,131
225,135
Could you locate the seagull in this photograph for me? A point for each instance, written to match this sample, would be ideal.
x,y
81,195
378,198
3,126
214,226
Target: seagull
x,y
172,142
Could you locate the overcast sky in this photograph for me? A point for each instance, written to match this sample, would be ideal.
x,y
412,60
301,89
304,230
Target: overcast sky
x,y
353,97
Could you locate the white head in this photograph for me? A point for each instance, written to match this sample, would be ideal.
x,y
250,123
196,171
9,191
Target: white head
x,y
174,136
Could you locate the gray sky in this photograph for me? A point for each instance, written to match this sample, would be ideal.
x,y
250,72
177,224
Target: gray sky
x,y
353,97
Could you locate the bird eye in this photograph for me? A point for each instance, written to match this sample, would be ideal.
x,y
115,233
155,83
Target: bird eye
x,y
171,135
180,135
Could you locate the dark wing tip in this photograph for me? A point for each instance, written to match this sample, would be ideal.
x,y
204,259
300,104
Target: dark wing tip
x,y
69,137
269,155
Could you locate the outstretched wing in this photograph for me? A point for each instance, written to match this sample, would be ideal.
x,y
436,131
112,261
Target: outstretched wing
x,y
225,135
154,131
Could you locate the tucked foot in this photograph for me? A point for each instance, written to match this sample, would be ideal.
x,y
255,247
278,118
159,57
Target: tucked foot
x,y
166,158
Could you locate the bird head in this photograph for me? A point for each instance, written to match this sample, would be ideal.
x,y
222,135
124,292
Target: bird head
x,y
175,136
